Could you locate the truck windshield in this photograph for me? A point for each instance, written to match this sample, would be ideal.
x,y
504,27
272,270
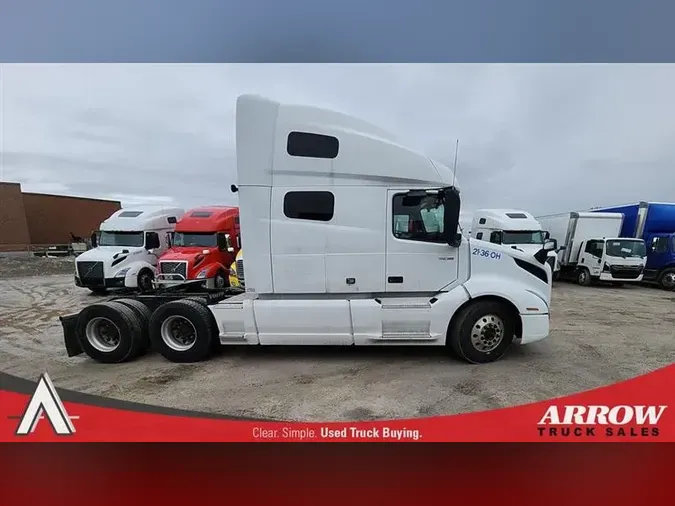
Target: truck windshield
x,y
626,248
201,239
523,237
132,239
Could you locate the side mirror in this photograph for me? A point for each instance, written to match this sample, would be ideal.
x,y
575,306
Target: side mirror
x,y
224,243
550,244
451,207
152,242
94,239
547,234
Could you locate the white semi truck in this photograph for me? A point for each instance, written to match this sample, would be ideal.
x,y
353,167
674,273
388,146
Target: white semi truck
x,y
514,228
590,248
126,248
338,252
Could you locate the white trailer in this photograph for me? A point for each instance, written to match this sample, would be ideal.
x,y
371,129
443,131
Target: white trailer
x,y
351,239
590,248
126,249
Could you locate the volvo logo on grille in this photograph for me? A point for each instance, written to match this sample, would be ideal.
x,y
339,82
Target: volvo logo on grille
x,y
90,270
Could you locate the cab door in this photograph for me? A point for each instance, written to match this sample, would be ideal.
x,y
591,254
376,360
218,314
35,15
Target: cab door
x,y
591,257
418,260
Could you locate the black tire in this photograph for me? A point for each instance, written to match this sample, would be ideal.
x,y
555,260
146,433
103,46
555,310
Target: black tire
x,y
461,330
144,281
203,332
143,314
583,277
98,291
221,280
125,324
666,279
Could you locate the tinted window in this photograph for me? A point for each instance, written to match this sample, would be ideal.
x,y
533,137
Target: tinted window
x,y
660,244
312,145
200,214
589,247
315,206
171,219
516,215
132,239
206,240
628,249
418,217
479,235
523,237
152,240
130,214
496,237
482,221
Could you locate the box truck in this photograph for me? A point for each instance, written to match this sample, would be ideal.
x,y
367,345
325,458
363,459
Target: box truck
x,y
338,252
126,248
653,222
590,249
203,247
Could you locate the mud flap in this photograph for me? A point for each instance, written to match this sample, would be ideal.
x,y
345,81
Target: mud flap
x,y
69,322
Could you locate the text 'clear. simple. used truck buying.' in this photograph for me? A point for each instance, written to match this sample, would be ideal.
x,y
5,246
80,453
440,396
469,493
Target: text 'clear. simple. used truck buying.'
x,y
590,248
333,212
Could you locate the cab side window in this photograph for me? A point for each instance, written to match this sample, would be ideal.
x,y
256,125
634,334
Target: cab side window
x,y
479,235
660,244
594,248
418,217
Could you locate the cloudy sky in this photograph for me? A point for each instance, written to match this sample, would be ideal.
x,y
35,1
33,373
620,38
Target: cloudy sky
x,y
545,138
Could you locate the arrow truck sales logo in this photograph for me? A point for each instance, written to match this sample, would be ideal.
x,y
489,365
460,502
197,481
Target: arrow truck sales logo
x,y
608,421
45,402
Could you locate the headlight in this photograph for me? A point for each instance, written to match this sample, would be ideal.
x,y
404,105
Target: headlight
x,y
122,273
202,274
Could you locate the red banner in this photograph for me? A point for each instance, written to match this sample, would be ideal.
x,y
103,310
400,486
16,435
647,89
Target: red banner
x,y
635,410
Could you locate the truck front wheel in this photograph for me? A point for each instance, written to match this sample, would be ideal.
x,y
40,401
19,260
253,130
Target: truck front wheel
x,y
667,279
584,277
221,280
482,332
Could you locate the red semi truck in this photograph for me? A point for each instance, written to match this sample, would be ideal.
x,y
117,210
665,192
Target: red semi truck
x,y
203,246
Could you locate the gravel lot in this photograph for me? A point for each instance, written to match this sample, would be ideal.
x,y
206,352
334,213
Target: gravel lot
x,y
600,335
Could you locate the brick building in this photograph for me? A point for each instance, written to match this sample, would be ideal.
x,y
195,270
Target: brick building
x,y
35,219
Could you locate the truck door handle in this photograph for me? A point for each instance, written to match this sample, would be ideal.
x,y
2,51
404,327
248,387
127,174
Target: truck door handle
x,y
582,261
395,279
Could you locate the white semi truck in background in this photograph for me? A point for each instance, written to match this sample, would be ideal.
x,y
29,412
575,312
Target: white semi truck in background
x,y
126,248
590,249
338,252
514,228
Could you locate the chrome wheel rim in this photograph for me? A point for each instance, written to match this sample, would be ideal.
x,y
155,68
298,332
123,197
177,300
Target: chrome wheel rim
x,y
102,334
487,333
669,280
178,333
